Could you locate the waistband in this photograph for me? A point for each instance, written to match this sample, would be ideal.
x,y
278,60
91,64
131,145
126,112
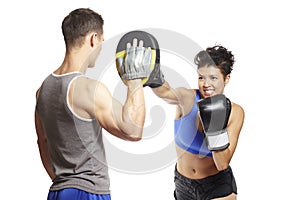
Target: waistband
x,y
205,180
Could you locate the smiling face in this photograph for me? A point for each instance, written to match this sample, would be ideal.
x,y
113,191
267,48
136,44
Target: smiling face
x,y
211,81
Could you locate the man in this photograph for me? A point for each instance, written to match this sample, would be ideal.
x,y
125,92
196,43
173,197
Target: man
x,y
72,109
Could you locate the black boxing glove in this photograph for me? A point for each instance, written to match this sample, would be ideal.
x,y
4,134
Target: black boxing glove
x,y
156,78
214,115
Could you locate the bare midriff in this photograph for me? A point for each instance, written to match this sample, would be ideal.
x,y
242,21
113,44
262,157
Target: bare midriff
x,y
194,166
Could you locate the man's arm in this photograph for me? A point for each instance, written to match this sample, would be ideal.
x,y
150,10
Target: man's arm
x,y
124,121
43,146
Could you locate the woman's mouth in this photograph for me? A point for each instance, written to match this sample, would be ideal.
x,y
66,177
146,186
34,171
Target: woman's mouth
x,y
208,92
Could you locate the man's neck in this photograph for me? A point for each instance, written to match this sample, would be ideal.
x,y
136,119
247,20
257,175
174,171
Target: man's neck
x,y
72,63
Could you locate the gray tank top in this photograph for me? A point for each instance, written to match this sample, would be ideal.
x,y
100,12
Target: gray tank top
x,y
75,143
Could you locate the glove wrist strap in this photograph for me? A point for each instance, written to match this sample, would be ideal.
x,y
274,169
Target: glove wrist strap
x,y
217,141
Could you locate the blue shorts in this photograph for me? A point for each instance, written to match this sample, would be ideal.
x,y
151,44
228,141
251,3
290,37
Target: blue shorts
x,y
75,194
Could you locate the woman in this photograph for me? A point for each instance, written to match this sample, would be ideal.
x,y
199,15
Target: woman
x,y
201,172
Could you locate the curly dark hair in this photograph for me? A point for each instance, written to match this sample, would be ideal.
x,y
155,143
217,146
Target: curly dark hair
x,y
217,56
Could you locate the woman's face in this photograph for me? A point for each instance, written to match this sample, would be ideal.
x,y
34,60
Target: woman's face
x,y
211,81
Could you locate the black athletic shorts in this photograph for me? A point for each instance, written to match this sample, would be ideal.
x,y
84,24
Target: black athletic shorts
x,y
219,185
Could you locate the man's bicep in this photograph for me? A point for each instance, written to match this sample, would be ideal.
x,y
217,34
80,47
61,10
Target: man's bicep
x,y
108,110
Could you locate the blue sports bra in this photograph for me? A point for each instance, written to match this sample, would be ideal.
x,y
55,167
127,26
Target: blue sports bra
x,y
187,135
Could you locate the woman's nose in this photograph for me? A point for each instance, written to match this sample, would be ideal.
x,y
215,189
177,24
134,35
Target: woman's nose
x,y
206,82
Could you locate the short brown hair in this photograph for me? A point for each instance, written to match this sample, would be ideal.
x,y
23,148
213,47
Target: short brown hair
x,y
78,24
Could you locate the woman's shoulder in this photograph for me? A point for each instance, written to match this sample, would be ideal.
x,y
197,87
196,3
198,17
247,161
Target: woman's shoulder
x,y
237,110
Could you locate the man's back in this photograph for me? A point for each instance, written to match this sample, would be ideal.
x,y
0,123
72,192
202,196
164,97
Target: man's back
x,y
75,143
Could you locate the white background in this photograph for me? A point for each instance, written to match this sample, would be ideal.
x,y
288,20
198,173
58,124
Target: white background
x,y
263,35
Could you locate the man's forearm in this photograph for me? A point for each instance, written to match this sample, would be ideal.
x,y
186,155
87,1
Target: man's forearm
x,y
134,110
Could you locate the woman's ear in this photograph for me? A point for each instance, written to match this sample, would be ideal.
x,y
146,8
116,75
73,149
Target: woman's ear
x,y
227,79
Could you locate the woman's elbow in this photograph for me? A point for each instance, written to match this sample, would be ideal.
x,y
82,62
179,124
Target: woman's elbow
x,y
222,166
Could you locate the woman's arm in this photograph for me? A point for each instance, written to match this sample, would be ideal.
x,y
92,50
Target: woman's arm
x,y
222,157
169,94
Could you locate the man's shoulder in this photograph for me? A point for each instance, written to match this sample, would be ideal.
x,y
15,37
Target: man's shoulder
x,y
87,84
